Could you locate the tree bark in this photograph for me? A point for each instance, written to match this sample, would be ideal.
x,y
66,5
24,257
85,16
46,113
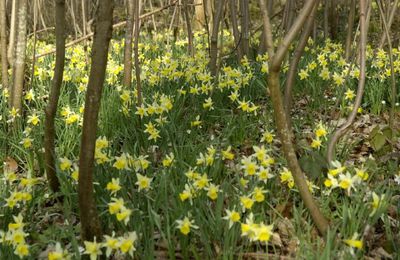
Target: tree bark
x,y
235,30
199,15
244,6
13,25
284,130
51,109
326,19
188,28
3,44
20,55
83,10
35,13
360,90
128,44
90,222
136,52
214,36
333,19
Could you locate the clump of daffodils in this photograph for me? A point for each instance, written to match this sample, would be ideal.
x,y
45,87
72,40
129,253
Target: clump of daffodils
x,y
71,117
118,246
100,155
256,231
117,207
320,134
22,187
69,166
127,162
15,236
340,177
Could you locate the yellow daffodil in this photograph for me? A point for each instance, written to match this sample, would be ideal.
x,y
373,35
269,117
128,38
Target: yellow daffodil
x,y
185,225
93,249
113,186
143,182
232,216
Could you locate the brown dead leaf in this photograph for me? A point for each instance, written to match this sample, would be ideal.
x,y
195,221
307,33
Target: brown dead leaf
x,y
380,253
292,246
285,228
247,148
10,165
285,209
276,240
392,211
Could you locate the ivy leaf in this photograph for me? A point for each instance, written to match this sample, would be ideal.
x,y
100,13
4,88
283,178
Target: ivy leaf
x,y
378,141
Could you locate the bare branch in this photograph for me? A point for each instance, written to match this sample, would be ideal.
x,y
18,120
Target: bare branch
x,y
361,83
289,37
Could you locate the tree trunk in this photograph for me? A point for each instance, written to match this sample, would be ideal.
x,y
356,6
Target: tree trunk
x,y
188,28
361,83
326,19
13,25
20,54
209,17
350,25
90,222
136,53
35,13
369,12
214,37
199,15
235,30
3,44
289,14
284,130
333,19
128,44
83,10
51,109
244,6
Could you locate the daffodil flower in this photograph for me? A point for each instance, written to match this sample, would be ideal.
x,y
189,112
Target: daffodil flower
x,y
232,216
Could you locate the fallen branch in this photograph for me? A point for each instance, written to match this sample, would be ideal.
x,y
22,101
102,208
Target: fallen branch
x,y
115,26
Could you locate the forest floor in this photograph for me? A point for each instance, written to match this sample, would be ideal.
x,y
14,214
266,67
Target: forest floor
x,y
197,171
